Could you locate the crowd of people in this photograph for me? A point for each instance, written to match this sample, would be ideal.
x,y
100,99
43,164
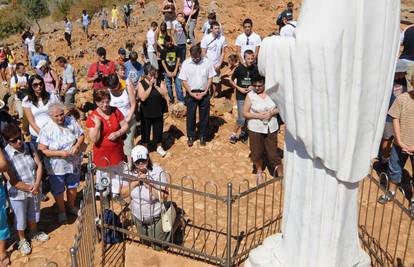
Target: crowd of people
x,y
135,91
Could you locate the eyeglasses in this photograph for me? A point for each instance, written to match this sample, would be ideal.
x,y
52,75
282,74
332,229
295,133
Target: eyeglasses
x,y
14,140
247,41
36,84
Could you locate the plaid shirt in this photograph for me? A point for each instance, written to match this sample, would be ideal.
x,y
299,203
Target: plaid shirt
x,y
23,166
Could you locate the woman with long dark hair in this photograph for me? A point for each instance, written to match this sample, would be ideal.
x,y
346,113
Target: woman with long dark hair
x,y
35,105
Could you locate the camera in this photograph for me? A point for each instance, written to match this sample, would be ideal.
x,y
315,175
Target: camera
x,y
100,76
103,183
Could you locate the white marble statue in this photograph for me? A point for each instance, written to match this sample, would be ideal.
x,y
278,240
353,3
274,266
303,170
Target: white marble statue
x,y
332,86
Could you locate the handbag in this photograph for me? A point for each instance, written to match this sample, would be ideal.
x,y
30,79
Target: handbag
x,y
168,215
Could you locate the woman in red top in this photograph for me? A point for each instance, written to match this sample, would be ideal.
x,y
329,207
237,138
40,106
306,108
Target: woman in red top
x,y
106,130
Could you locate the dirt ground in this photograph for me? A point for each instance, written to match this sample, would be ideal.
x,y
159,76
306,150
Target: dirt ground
x,y
219,161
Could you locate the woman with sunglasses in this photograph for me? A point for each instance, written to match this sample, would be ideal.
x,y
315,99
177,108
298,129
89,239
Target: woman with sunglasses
x,y
153,105
260,112
107,127
24,186
147,197
61,140
35,105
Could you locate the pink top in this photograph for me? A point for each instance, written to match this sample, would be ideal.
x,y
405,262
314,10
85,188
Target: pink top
x,y
48,79
188,4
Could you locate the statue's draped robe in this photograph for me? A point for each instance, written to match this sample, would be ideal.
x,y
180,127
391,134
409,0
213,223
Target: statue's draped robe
x,y
332,86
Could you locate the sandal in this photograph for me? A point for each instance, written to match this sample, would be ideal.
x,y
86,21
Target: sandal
x,y
5,261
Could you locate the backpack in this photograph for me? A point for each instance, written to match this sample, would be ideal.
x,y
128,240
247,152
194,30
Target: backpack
x,y
111,236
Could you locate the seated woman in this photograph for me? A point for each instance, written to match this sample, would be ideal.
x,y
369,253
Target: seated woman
x,y
24,186
147,198
62,142
260,112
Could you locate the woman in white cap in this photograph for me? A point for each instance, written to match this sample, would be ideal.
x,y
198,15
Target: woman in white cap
x,y
51,79
147,197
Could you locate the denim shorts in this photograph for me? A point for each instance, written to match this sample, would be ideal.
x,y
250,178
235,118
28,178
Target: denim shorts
x,y
58,183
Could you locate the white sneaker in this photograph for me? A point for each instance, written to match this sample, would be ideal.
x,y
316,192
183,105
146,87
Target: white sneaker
x,y
24,247
161,151
40,236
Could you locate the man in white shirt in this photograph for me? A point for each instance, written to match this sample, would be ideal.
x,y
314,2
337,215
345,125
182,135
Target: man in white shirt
x,y
197,74
290,27
248,40
68,31
213,48
30,44
18,85
151,45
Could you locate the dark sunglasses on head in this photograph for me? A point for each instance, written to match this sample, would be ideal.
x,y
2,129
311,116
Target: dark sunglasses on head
x,y
14,140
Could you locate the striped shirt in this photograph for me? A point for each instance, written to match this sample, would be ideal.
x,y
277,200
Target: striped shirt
x,y
403,110
24,168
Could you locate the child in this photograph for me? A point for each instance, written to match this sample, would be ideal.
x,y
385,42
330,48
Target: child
x,y
243,74
151,45
24,186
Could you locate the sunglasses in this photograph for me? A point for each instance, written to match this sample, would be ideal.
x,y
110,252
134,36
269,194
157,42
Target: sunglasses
x,y
36,84
247,41
14,140
138,161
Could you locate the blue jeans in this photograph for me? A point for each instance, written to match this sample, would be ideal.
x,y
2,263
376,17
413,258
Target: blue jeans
x,y
397,163
178,88
183,51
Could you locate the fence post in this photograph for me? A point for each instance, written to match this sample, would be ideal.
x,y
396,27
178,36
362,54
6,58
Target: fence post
x,y
229,204
73,252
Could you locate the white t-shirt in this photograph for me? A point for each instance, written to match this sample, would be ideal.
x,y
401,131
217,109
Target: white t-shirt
x,y
145,203
40,114
248,43
289,29
20,79
68,27
214,46
151,40
30,43
196,75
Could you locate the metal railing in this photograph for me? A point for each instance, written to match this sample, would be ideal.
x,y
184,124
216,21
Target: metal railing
x,y
83,250
222,225
385,229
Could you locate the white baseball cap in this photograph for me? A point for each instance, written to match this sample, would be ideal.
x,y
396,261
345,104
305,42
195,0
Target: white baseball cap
x,y
41,63
139,152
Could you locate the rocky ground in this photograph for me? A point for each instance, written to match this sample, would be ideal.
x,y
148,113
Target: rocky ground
x,y
219,161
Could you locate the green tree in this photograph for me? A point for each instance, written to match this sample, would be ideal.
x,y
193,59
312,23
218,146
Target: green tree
x,y
36,9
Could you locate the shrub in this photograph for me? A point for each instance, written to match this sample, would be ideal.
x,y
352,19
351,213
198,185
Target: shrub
x,y
12,20
36,9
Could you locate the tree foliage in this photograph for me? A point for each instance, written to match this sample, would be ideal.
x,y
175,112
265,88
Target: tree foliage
x,y
36,9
